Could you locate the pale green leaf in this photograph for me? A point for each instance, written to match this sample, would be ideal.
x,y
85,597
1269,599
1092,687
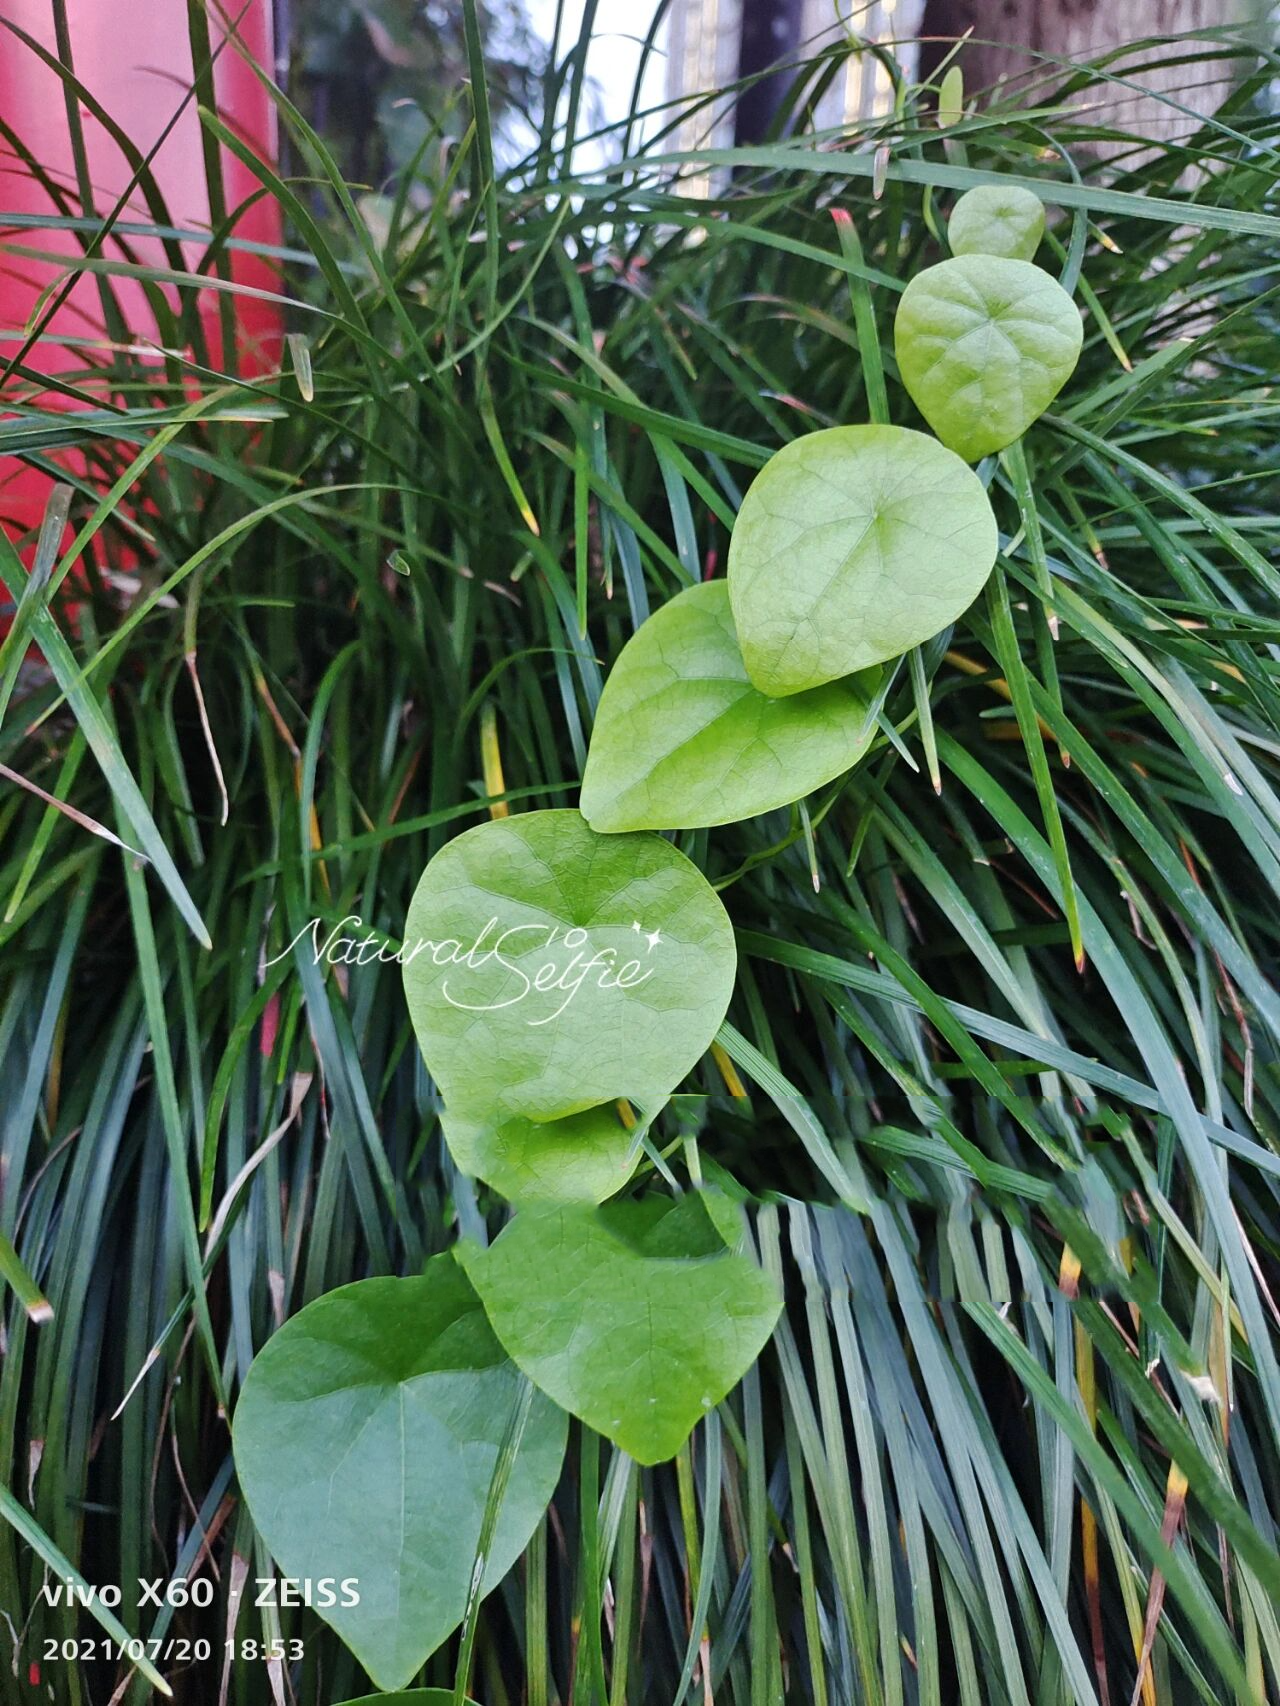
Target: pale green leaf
x,y
408,1697
636,1316
853,545
984,345
551,971
682,739
995,219
951,97
584,1157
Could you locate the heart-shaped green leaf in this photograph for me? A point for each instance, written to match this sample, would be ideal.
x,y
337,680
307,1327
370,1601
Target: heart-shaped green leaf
x,y
365,1441
984,345
635,1316
997,219
584,1157
682,739
551,971
851,546
409,1697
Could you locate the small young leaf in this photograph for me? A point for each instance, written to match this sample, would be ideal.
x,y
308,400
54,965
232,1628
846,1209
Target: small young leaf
x,y
551,971
682,739
852,545
365,1441
984,345
994,219
951,98
637,1316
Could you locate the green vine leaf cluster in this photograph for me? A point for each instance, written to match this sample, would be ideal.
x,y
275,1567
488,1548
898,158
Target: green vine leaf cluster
x,y
565,970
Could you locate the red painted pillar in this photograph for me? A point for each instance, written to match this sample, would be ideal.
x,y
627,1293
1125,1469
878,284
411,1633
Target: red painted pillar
x,y
136,61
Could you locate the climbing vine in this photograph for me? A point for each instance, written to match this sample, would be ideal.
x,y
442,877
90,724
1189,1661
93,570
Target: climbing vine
x,y
565,970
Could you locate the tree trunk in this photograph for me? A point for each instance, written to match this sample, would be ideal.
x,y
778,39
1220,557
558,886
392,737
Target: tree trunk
x,y
1008,34
770,35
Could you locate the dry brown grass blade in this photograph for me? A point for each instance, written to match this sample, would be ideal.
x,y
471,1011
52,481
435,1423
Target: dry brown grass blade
x,y
1175,1503
69,811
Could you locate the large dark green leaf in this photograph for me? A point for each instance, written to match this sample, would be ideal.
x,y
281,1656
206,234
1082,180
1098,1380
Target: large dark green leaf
x,y
365,1441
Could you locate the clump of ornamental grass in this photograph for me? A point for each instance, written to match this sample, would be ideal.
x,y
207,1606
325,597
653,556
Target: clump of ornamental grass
x,y
997,1085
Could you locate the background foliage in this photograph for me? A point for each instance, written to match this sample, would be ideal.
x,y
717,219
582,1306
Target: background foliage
x,y
382,79
1000,1075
